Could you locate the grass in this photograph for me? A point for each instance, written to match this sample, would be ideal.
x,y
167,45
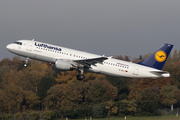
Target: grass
x,y
165,117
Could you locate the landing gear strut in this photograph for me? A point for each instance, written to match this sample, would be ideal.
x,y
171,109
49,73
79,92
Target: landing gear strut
x,y
80,76
26,62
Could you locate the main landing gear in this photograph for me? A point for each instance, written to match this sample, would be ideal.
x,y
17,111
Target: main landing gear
x,y
80,76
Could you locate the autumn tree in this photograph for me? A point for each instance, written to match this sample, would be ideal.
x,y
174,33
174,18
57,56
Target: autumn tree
x,y
148,82
13,64
55,96
172,65
134,90
27,88
13,98
31,100
111,107
175,74
125,58
66,77
2,100
35,72
20,87
175,57
77,94
2,70
98,91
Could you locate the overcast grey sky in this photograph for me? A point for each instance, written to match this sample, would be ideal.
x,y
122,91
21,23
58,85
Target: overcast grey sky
x,y
111,27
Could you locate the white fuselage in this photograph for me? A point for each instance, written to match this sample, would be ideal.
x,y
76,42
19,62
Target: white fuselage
x,y
50,53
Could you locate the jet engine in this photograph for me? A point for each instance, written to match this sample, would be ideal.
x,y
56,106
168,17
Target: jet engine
x,y
61,65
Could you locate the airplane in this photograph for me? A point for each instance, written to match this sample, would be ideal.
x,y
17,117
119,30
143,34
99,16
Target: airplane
x,y
65,59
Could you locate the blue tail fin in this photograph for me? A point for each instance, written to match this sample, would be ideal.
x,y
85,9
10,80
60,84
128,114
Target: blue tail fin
x,y
158,58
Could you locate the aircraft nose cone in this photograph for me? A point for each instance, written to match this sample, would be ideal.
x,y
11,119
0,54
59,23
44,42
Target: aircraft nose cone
x,y
8,47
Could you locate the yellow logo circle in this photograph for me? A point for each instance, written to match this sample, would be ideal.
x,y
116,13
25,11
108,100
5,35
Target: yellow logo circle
x,y
160,56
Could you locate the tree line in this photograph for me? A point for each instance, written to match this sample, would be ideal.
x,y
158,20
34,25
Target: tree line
x,y
39,88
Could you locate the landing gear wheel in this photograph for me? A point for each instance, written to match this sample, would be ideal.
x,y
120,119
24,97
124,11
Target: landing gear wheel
x,y
80,77
26,62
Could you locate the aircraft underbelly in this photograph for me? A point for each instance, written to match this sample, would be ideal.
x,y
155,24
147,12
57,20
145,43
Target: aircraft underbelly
x,y
113,71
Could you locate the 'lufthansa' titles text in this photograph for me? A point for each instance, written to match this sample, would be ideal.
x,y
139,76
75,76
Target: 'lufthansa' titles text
x,y
47,46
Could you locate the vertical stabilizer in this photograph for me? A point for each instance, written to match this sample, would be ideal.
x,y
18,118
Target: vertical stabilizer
x,y
158,58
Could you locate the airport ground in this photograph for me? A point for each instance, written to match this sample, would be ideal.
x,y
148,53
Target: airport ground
x,y
164,117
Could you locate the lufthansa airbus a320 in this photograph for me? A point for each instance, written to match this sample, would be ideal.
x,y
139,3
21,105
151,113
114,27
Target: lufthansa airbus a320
x,y
69,59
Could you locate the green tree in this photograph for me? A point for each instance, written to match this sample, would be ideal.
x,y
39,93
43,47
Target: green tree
x,y
140,57
44,85
48,115
126,107
170,95
98,111
122,86
151,93
146,107
34,115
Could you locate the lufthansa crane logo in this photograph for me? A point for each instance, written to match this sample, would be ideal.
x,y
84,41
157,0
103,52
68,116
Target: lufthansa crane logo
x,y
160,56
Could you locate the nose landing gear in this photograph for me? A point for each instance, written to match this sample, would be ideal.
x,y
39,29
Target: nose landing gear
x,y
26,62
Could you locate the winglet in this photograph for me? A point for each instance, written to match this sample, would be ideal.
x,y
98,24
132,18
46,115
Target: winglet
x,y
158,58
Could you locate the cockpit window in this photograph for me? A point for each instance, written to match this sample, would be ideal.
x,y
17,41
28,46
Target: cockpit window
x,y
19,43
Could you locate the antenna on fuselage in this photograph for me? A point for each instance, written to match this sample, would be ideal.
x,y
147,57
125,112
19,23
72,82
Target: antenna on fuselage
x,y
32,39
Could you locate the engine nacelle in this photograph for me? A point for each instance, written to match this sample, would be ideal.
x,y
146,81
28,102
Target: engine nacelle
x,y
61,65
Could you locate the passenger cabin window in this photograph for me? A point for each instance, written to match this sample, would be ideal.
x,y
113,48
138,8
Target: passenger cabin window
x,y
19,43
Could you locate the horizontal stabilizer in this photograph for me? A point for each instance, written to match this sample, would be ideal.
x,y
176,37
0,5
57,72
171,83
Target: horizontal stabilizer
x,y
161,73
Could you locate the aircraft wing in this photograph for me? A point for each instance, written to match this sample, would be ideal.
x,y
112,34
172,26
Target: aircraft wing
x,y
89,62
